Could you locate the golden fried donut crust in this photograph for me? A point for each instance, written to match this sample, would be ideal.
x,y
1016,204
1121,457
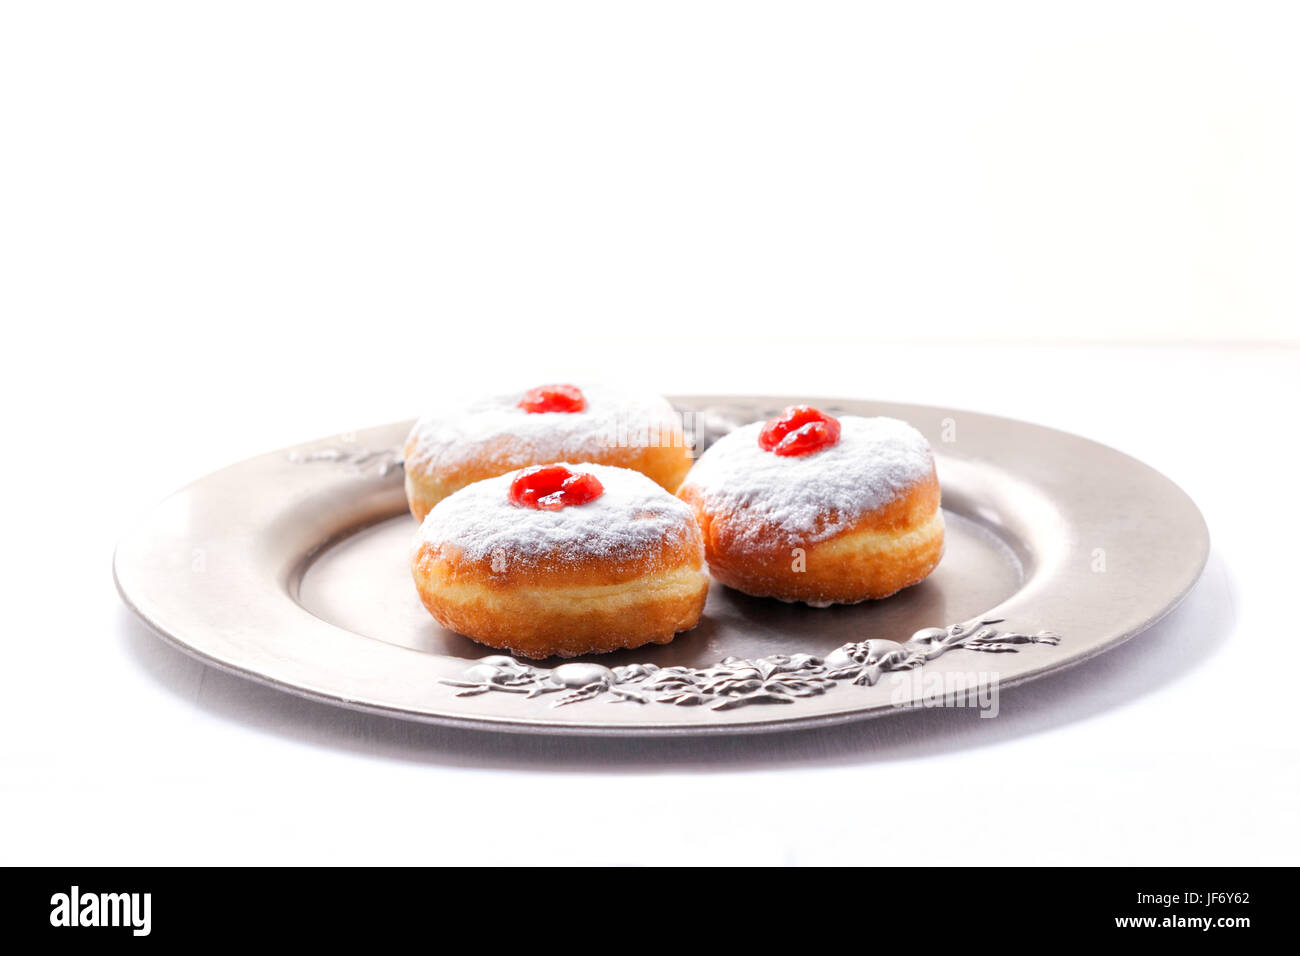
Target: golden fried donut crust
x,y
884,551
583,605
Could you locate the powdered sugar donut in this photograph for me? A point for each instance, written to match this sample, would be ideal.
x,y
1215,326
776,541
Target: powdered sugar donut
x,y
562,559
461,444
811,508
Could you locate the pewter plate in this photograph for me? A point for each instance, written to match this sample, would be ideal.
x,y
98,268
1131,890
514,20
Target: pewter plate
x,y
291,569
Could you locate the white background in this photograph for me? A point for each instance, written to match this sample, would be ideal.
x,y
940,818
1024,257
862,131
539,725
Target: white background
x,y
229,227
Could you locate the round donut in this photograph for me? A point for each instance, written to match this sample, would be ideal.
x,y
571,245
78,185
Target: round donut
x,y
619,571
855,520
457,446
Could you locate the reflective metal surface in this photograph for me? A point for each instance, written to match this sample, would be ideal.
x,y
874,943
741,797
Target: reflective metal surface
x,y
290,568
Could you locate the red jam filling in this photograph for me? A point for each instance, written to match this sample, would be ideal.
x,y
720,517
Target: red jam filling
x,y
554,398
801,430
552,487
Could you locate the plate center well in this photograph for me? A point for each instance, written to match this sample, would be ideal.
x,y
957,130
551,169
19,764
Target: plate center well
x,y
363,583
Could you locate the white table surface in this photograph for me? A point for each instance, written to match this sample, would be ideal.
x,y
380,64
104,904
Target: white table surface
x,y
1179,747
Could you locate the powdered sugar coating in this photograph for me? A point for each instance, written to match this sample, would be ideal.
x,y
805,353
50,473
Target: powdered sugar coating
x,y
496,431
633,519
809,498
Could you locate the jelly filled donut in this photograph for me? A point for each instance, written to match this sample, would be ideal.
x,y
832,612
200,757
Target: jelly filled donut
x,y
562,559
807,507
552,423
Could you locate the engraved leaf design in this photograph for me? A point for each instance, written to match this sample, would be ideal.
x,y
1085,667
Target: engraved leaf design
x,y
737,682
